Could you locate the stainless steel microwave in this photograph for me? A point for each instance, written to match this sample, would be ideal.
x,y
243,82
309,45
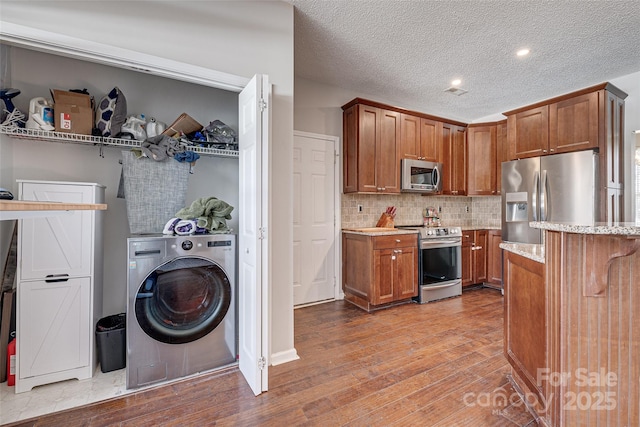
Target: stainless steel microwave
x,y
420,176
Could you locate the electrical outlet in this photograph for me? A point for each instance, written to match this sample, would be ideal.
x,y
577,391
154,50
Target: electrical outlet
x,y
359,208
439,209
466,208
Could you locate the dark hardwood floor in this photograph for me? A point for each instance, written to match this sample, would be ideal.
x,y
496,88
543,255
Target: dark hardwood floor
x,y
438,364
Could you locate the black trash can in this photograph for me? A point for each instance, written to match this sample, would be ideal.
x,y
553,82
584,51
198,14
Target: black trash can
x,y
111,340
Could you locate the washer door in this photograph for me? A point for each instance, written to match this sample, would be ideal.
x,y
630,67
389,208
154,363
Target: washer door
x,y
183,300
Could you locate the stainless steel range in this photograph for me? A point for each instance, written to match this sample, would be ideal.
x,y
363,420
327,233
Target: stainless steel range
x,y
439,263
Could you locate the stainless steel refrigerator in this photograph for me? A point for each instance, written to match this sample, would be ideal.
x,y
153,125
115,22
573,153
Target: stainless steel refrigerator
x,y
557,188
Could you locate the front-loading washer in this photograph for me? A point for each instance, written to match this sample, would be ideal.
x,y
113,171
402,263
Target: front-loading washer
x,y
181,309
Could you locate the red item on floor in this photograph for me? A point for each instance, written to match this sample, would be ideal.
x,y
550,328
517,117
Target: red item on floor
x,y
11,363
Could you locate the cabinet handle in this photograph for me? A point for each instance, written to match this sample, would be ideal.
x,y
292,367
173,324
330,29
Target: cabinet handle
x,y
397,251
544,151
552,150
398,240
53,278
466,236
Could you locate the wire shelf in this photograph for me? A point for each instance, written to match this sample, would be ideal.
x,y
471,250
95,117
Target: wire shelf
x,y
74,138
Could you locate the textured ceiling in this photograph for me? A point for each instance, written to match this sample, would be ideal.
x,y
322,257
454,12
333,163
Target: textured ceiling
x,y
407,52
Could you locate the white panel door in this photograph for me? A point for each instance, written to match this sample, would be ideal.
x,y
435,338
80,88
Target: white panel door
x,y
252,235
314,242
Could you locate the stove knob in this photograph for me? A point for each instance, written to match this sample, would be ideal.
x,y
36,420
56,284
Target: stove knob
x,y
429,232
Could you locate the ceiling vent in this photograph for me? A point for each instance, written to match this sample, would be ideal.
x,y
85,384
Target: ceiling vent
x,y
456,91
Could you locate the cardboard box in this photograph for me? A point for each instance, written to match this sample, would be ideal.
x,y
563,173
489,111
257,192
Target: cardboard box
x,y
183,124
72,112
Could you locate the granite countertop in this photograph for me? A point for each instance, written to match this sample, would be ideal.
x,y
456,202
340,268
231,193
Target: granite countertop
x,y
527,250
379,231
619,229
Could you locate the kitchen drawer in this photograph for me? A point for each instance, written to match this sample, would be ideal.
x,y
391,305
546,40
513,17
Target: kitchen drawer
x,y
395,241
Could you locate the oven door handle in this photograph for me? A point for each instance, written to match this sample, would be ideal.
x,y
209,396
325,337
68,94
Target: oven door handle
x,y
440,244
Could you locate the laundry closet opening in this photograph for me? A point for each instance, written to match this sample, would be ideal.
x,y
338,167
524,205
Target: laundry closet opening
x,y
154,96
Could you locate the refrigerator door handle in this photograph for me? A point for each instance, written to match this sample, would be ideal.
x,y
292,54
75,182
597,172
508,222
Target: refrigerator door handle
x,y
534,195
543,197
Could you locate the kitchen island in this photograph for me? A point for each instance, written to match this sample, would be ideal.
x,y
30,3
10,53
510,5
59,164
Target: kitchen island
x,y
572,330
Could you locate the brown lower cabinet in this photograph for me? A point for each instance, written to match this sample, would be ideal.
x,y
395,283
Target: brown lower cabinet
x,y
474,257
378,271
494,258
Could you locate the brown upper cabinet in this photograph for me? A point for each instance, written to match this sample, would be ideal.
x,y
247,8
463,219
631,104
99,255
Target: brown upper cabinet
x,y
454,159
421,138
482,146
528,133
502,152
571,122
371,150
377,136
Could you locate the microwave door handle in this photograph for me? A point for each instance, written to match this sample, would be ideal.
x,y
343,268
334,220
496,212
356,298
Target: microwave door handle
x,y
544,199
534,195
436,177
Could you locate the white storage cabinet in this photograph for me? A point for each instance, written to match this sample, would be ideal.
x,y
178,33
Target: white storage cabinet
x,y
59,281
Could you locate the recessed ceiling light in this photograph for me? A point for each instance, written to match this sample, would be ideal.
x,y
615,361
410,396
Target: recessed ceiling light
x,y
523,52
456,82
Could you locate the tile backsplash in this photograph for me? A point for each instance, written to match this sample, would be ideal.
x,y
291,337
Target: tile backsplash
x,y
459,211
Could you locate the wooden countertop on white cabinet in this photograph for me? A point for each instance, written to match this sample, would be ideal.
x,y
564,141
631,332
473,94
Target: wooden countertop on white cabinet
x,y
19,209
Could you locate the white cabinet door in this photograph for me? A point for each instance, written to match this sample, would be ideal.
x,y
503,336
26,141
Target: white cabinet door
x,y
59,245
253,244
55,326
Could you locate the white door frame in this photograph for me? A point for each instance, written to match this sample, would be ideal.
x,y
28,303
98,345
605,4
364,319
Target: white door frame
x,y
337,226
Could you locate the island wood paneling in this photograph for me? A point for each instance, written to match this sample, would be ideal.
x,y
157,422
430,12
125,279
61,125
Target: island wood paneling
x,y
594,336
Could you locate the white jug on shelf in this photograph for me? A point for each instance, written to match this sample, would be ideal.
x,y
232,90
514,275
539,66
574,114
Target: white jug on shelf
x,y
155,127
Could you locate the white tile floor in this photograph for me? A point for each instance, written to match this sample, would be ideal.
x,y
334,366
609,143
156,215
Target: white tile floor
x,y
55,397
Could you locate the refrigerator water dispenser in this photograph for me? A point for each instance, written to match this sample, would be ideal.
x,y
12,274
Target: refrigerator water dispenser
x,y
517,208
